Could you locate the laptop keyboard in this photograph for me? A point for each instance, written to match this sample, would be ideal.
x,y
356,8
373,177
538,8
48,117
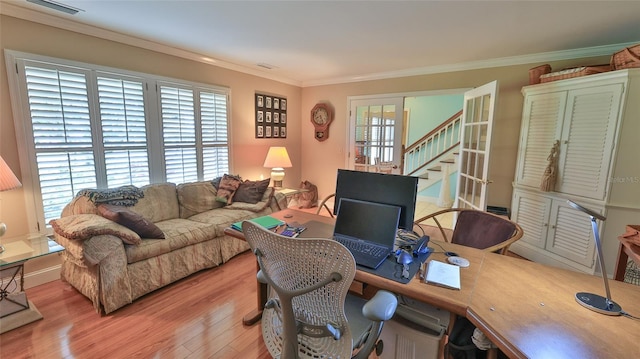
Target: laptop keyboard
x,y
362,250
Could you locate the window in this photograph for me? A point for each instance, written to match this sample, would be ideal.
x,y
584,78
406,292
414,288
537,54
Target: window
x,y
90,127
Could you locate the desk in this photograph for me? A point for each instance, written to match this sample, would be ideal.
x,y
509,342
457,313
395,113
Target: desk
x,y
526,308
529,310
455,301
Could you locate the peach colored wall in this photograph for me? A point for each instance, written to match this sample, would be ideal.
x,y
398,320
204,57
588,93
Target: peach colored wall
x,y
247,152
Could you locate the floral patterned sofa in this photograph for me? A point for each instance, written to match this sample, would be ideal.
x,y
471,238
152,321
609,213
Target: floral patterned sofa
x,y
116,254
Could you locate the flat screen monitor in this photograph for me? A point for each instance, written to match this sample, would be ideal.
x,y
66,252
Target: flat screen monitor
x,y
396,190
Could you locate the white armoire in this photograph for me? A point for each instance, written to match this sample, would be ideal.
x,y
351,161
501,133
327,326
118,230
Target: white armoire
x,y
596,120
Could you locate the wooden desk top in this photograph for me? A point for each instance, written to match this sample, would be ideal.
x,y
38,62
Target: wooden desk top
x,y
529,310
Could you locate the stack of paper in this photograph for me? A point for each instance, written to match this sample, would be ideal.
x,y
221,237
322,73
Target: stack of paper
x,y
443,274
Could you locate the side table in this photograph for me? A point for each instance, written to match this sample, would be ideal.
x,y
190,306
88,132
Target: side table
x,y
289,193
15,309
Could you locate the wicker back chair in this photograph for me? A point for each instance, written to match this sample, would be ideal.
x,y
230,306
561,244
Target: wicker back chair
x,y
309,313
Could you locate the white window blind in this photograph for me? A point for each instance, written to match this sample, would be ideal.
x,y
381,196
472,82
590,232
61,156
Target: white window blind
x,y
215,151
61,127
124,136
179,133
95,127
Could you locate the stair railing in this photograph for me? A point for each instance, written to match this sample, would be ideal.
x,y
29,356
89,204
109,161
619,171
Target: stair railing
x,y
433,145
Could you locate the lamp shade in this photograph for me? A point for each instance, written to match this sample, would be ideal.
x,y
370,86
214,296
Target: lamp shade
x,y
8,180
277,157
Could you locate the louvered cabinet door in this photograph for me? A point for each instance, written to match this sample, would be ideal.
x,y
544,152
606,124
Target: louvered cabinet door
x,y
587,140
541,127
570,236
531,211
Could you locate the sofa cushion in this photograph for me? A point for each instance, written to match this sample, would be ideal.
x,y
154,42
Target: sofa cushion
x,y
228,186
131,220
84,226
251,191
223,218
178,233
160,202
196,197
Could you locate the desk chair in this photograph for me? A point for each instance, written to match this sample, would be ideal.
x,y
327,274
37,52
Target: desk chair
x,y
478,229
308,280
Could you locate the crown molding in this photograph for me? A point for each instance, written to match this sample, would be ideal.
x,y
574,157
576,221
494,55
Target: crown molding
x,y
542,57
62,22
75,26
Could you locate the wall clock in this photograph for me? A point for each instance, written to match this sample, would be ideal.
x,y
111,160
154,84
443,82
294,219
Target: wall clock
x,y
321,117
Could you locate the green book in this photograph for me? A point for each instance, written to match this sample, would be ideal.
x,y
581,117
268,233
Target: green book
x,y
265,221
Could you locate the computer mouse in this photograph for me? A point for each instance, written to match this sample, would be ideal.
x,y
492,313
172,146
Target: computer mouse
x,y
404,258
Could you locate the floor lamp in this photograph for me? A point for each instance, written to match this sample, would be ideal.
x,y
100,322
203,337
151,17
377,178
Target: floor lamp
x,y
592,301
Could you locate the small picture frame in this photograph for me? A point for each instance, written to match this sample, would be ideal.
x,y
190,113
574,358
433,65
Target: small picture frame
x,y
271,116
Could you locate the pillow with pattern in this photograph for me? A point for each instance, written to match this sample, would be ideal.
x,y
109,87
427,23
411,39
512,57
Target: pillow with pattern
x,y
228,186
84,226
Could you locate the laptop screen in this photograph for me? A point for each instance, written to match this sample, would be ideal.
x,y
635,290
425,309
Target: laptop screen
x,y
375,222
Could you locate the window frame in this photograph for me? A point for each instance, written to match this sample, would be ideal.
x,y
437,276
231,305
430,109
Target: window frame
x,y
15,66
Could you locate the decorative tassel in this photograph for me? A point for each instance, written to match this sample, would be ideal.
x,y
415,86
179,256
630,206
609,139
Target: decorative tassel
x,y
551,172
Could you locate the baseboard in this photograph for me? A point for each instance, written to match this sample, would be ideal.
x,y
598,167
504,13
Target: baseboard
x,y
42,276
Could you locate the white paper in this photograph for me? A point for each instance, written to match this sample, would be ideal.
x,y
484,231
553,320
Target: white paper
x,y
443,274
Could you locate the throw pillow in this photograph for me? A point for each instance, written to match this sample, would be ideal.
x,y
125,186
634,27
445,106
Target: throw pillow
x,y
251,191
216,182
228,186
131,220
84,226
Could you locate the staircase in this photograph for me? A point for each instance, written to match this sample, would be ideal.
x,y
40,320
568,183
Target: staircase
x,y
427,157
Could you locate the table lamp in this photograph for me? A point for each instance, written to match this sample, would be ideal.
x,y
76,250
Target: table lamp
x,y
277,159
8,181
592,301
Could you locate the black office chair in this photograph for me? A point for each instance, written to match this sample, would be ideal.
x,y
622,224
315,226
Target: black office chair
x,y
309,313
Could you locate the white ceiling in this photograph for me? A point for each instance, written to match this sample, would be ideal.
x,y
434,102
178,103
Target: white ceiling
x,y
316,42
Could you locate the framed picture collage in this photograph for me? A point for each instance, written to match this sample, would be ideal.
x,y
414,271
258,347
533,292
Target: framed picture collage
x,y
271,116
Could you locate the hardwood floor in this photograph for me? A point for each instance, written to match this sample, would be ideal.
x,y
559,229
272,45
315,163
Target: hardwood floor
x,y
197,317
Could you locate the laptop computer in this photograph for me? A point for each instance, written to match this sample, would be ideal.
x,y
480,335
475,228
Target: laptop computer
x,y
367,229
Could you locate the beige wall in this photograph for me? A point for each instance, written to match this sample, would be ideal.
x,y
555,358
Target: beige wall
x,y
322,159
312,160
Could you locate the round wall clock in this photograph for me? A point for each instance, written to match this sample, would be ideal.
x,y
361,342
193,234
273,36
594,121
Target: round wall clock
x,y
321,117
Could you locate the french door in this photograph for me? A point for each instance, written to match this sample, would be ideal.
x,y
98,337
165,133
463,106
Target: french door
x,y
375,139
475,144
